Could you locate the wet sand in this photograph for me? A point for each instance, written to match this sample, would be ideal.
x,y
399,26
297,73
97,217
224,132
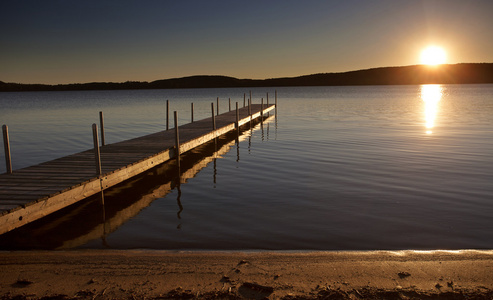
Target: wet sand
x,y
136,274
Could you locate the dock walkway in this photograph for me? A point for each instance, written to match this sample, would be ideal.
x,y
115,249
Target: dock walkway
x,y
33,192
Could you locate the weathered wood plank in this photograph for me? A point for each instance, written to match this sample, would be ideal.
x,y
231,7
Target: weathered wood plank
x,y
28,197
20,216
7,207
36,180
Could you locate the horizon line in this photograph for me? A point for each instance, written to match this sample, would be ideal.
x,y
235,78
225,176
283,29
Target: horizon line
x,y
217,75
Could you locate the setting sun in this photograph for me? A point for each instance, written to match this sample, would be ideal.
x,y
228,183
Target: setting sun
x,y
433,56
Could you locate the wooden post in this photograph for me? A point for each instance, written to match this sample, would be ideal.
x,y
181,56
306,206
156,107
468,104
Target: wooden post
x,y
101,123
192,112
213,117
177,140
250,107
6,146
237,139
276,104
217,104
167,114
237,118
97,154
244,99
229,101
268,114
262,110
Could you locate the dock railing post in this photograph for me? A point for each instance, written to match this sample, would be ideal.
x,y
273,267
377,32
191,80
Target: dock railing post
x,y
192,113
237,139
177,140
276,104
167,114
237,124
101,123
97,154
244,99
217,104
250,107
262,110
6,146
213,117
229,101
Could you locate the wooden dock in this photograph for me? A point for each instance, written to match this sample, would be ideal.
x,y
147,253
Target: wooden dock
x,y
34,192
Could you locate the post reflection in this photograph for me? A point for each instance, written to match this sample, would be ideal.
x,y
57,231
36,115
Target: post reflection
x,y
178,200
431,95
105,232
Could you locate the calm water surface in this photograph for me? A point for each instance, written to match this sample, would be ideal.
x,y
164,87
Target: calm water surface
x,y
339,168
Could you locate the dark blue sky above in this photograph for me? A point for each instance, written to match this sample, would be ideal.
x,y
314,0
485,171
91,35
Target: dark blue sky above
x,y
85,41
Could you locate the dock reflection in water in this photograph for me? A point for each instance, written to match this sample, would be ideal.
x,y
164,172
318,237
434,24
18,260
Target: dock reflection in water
x,y
99,215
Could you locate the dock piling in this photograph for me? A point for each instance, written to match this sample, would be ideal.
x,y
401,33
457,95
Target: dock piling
x,y
229,101
276,104
101,123
262,110
237,125
177,140
6,146
244,99
268,114
217,104
167,114
192,113
97,154
213,117
250,107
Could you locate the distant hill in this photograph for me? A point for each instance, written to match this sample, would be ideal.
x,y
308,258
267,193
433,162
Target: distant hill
x,y
417,74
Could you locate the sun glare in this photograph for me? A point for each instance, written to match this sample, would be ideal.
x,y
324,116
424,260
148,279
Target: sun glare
x,y
433,56
431,95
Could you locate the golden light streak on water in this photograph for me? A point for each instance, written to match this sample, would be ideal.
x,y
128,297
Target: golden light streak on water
x,y
431,95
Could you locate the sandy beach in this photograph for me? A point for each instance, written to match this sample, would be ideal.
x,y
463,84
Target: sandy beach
x,y
142,274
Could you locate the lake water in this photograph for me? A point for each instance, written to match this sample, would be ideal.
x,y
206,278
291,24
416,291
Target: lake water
x,y
338,168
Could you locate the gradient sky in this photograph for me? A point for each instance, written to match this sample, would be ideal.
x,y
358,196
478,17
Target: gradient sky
x,y
68,41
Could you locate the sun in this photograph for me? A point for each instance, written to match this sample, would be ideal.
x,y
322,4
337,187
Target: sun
x,y
433,55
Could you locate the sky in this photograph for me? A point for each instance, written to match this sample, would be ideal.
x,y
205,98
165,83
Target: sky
x,y
69,41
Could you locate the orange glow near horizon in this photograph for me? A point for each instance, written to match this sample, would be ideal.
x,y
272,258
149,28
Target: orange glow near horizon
x,y
431,95
433,55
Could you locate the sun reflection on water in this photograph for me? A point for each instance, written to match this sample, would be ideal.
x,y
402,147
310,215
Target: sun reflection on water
x,y
431,95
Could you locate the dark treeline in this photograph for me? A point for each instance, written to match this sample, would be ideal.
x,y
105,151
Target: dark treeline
x,y
417,74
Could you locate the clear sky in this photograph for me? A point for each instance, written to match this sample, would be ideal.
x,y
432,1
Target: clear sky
x,y
69,41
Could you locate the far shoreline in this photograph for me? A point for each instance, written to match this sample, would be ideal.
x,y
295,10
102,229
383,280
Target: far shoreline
x,y
464,73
